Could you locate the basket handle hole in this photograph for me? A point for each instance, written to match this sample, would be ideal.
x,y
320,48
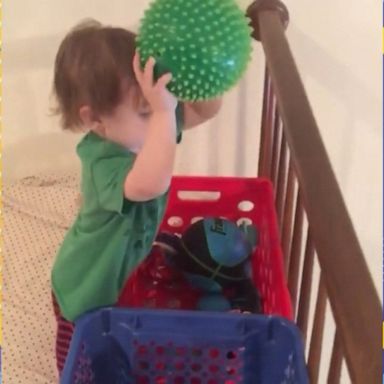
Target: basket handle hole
x,y
244,220
199,195
231,355
175,222
246,206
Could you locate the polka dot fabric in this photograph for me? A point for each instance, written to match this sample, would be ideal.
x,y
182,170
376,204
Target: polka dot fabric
x,y
38,210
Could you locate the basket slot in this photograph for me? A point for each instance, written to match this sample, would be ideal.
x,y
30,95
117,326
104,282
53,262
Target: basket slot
x,y
246,206
199,195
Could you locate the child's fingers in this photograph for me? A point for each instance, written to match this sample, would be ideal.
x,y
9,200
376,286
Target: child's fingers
x,y
148,71
136,67
164,80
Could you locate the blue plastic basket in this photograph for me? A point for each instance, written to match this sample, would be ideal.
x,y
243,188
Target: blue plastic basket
x,y
122,346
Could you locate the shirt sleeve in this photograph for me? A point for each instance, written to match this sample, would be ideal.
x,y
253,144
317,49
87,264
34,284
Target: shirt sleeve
x,y
108,176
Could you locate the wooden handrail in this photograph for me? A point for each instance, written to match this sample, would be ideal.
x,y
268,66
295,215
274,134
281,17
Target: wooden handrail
x,y
351,292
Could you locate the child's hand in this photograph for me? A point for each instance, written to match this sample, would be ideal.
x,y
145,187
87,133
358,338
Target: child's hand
x,y
157,95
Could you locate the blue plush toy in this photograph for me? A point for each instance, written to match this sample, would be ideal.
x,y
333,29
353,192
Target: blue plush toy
x,y
214,254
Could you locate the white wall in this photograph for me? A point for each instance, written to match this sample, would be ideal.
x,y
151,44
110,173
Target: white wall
x,y
31,37
337,45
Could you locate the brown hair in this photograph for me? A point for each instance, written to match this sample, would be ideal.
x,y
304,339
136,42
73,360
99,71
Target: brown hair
x,y
91,64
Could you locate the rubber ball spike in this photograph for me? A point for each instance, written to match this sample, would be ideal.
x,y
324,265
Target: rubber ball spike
x,y
197,31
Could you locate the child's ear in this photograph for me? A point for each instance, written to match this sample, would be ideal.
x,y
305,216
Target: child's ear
x,y
88,118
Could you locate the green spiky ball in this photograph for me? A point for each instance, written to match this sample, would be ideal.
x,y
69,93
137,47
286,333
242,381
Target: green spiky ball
x,y
205,44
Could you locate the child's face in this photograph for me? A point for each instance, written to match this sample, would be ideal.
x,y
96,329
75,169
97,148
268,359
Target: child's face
x,y
128,124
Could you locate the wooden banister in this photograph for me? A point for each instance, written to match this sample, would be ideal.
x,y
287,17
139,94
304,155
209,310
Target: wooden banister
x,y
352,295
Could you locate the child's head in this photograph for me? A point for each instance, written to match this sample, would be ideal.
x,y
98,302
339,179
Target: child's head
x,y
95,85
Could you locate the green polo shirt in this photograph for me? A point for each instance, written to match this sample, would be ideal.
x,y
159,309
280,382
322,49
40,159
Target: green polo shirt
x,y
110,236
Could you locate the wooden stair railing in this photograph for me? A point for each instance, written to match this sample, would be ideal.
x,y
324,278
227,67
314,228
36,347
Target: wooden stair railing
x,y
293,156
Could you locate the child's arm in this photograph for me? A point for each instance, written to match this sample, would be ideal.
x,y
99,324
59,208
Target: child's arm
x,y
201,111
151,173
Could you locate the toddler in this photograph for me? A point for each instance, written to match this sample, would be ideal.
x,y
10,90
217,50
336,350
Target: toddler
x,y
132,124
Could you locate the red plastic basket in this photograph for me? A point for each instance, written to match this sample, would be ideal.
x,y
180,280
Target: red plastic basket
x,y
155,285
